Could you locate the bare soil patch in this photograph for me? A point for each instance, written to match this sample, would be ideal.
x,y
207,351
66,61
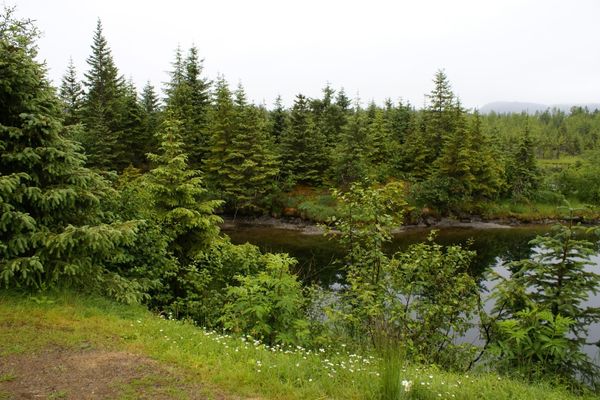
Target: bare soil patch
x,y
91,374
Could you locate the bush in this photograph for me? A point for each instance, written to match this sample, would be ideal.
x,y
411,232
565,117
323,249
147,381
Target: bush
x,y
541,312
268,305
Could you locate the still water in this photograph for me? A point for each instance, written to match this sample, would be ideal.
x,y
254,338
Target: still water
x,y
317,255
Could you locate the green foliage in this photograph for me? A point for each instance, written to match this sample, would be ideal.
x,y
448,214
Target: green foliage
x,y
430,301
350,161
553,288
188,99
103,110
71,94
241,164
456,158
522,171
383,147
581,180
440,115
366,217
302,147
213,271
224,365
53,229
181,208
535,344
419,300
180,201
268,305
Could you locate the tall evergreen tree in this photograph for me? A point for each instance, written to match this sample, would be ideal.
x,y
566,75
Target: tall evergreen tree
x,y
174,100
400,121
52,228
103,111
456,158
188,97
134,139
351,160
71,95
185,214
181,202
333,117
486,165
440,114
522,171
242,165
343,101
150,118
303,155
256,164
218,164
278,120
417,152
383,148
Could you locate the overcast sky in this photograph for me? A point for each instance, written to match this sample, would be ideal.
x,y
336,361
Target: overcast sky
x,y
545,51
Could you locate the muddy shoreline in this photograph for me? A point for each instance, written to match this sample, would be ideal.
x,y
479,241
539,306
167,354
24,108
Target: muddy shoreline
x,y
312,228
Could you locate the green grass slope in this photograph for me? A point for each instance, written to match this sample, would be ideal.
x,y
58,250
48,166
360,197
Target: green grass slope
x,y
223,366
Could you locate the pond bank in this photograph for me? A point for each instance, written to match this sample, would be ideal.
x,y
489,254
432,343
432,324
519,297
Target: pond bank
x,y
308,227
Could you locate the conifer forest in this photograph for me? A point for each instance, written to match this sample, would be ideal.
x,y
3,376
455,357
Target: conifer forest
x,y
118,191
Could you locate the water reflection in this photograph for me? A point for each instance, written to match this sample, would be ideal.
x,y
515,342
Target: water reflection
x,y
317,255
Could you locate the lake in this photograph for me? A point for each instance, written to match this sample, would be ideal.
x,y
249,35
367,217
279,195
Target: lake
x,y
317,254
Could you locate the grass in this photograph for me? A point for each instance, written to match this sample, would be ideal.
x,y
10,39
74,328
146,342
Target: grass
x,y
318,205
238,366
562,162
536,211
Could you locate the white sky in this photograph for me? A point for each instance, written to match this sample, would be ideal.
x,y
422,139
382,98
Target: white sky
x,y
545,51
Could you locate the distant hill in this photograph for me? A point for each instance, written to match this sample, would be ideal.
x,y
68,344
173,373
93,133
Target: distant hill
x,y
504,107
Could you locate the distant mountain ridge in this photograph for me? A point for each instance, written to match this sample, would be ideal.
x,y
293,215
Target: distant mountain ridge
x,y
505,107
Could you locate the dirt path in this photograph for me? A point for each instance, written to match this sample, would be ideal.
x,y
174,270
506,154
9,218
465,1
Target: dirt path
x,y
92,374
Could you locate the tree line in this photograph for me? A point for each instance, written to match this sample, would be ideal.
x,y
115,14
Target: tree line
x,y
452,158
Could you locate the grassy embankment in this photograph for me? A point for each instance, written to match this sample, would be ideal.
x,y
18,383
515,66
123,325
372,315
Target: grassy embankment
x,y
224,367
318,205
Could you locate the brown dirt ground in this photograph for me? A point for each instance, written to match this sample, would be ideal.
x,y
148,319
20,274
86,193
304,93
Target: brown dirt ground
x,y
92,374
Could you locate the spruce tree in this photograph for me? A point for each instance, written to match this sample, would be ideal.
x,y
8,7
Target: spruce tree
x,y
53,231
417,152
150,118
181,207
279,120
188,97
103,111
522,171
456,158
218,165
71,95
486,165
440,114
400,122
134,139
180,201
242,163
351,159
257,165
383,149
333,118
343,101
303,155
